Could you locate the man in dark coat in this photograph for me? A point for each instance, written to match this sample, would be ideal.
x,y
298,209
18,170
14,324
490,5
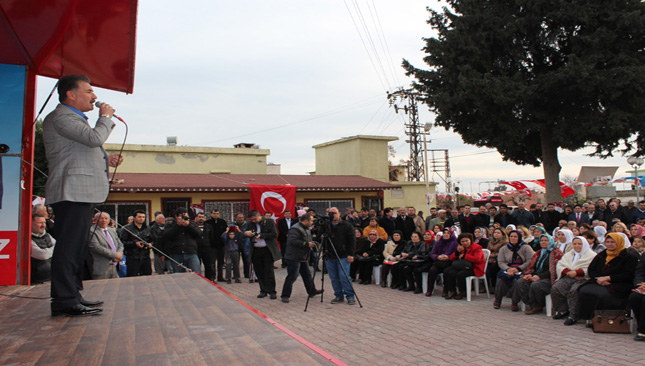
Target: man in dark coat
x,y
219,227
263,250
298,248
284,225
404,223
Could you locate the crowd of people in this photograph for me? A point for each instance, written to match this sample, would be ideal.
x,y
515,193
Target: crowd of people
x,y
585,256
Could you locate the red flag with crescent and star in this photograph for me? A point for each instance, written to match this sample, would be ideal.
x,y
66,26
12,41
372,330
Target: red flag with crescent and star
x,y
275,199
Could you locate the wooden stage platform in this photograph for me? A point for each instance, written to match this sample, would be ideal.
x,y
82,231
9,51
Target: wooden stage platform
x,y
179,319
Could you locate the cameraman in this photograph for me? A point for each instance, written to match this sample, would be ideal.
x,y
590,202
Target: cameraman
x,y
180,241
298,244
342,237
135,238
263,250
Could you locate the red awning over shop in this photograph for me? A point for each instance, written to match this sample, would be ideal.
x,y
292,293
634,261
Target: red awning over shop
x,y
62,37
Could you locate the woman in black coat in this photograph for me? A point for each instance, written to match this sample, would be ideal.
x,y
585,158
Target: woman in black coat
x,y
637,299
612,276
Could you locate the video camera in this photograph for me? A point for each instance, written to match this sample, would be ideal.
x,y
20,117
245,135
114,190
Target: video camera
x,y
322,223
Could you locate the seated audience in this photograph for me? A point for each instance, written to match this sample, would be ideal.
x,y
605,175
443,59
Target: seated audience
x,y
611,275
440,255
413,255
468,260
572,273
637,299
538,277
392,255
564,238
536,232
370,255
373,225
513,259
500,238
481,237
360,239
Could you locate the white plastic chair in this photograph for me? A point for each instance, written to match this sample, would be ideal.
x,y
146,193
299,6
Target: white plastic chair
x,y
424,281
469,279
376,274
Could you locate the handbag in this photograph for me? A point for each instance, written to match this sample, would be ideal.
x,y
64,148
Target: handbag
x,y
367,259
611,321
462,264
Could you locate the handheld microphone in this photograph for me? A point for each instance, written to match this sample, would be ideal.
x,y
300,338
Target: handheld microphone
x,y
98,104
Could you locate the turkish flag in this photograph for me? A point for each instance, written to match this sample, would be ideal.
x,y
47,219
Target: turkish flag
x,y
565,190
515,184
274,199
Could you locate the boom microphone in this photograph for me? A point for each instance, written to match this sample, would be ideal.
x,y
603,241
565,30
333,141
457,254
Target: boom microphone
x,y
98,104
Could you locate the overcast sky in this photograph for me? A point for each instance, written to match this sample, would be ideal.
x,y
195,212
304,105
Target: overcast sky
x,y
288,75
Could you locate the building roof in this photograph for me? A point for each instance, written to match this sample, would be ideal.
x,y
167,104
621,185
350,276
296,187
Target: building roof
x,y
158,182
357,137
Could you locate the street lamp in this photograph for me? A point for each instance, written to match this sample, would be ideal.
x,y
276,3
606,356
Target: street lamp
x,y
427,127
635,162
458,180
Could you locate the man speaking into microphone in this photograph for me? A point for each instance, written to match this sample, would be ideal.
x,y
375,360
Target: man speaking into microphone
x,y
78,180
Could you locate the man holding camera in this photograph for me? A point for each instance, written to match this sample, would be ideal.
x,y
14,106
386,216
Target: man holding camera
x,y
263,250
297,252
136,238
180,242
340,257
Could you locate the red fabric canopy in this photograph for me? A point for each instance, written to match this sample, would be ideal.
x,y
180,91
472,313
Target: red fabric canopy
x,y
63,37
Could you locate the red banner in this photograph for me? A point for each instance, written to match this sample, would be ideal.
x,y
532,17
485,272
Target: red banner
x,y
8,257
516,184
274,199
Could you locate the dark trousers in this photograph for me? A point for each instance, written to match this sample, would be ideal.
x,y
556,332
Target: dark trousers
x,y
592,297
353,269
207,256
295,268
454,279
220,254
263,267
398,274
413,275
434,272
637,303
73,221
137,266
365,269
246,262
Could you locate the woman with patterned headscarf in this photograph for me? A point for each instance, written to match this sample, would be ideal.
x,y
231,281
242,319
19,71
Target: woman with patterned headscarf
x,y
512,260
538,277
611,274
572,273
499,239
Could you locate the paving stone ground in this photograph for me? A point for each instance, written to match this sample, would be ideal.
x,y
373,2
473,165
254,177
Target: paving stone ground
x,y
402,328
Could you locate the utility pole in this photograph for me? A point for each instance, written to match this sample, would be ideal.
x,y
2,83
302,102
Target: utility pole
x,y
406,100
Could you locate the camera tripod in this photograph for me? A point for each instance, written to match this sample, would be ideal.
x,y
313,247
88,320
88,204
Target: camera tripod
x,y
322,251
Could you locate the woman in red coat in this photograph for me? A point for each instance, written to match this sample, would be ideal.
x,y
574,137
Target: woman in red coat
x,y
467,261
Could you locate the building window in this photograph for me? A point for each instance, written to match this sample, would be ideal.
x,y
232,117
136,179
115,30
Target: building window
x,y
227,209
375,203
120,211
171,204
321,205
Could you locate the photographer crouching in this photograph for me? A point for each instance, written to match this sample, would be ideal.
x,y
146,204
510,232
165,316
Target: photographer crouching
x,y
297,252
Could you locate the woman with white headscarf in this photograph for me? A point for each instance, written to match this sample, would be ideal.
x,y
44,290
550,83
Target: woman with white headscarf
x,y
572,273
564,239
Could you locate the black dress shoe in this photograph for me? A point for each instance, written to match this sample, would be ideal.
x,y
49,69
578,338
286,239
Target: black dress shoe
x,y
570,321
262,294
558,316
76,310
273,296
90,303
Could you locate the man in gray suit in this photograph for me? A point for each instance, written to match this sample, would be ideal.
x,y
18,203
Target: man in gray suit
x,y
106,249
78,180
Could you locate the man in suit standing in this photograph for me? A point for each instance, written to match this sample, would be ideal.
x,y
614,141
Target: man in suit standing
x,y
263,250
219,227
404,223
78,180
578,216
284,225
106,249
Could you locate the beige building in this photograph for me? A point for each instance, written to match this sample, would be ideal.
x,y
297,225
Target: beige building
x,y
242,159
350,172
367,156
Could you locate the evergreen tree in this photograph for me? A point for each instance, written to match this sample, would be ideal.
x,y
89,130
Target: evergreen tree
x,y
527,77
